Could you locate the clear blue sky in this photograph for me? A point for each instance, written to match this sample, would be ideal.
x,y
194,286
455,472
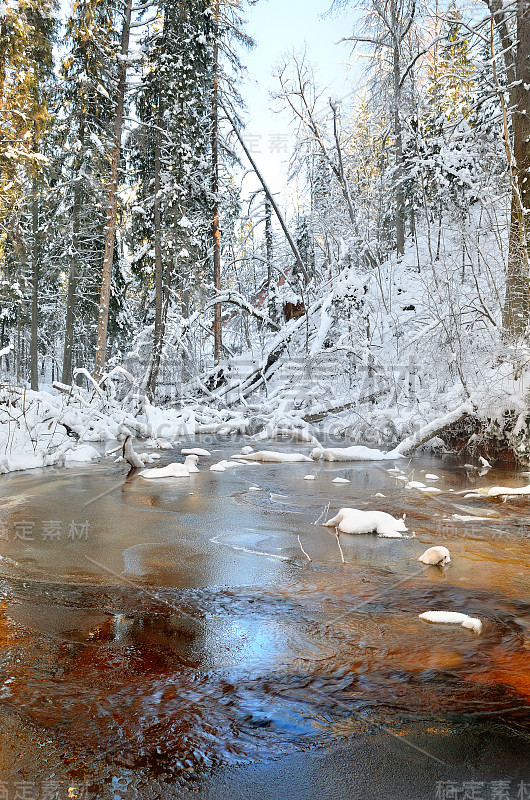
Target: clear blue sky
x,y
279,27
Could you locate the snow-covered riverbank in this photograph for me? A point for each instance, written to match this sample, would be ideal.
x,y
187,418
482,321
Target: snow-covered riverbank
x,y
63,425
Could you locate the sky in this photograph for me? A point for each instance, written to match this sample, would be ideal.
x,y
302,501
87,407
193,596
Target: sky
x,y
279,27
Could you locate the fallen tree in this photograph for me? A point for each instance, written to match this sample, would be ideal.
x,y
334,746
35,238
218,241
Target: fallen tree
x,y
434,429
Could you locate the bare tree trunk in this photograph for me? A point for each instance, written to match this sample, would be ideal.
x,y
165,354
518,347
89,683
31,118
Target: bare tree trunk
x,y
268,238
499,20
2,340
66,376
338,169
271,309
19,346
34,345
516,313
112,207
217,328
158,332
398,143
69,331
4,44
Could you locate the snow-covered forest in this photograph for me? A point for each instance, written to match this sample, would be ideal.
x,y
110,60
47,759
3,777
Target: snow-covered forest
x,y
141,286
264,416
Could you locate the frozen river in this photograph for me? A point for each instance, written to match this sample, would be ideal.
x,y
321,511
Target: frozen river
x,y
170,638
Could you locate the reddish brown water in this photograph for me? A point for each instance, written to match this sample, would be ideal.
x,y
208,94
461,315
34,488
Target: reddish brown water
x,y
184,628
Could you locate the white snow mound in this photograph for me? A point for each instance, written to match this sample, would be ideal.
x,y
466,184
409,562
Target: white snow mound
x,y
175,470
501,491
352,520
453,618
222,466
435,555
272,457
170,471
82,454
354,453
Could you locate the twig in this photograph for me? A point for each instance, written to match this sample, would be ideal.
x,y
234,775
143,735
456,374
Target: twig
x,y
302,549
324,512
337,537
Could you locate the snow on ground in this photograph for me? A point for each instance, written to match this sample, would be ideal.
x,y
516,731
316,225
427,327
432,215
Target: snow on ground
x,y
45,428
384,360
389,355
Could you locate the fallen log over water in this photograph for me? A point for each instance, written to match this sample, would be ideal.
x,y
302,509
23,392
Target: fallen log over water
x,y
434,429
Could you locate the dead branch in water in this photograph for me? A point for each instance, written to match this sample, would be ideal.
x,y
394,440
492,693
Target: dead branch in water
x,y
129,454
324,513
302,549
337,537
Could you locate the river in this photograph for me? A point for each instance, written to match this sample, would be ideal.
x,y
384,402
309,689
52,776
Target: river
x,y
171,638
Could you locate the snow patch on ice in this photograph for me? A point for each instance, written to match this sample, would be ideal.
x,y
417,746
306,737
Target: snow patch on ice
x,y
354,453
355,521
273,457
453,618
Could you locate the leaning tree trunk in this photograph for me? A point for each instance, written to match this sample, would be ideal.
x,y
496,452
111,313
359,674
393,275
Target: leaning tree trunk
x,y
112,205
292,244
268,239
516,316
269,249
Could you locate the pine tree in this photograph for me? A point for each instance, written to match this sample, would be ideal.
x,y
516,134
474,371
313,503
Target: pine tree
x,y
26,89
112,199
450,69
87,110
169,154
